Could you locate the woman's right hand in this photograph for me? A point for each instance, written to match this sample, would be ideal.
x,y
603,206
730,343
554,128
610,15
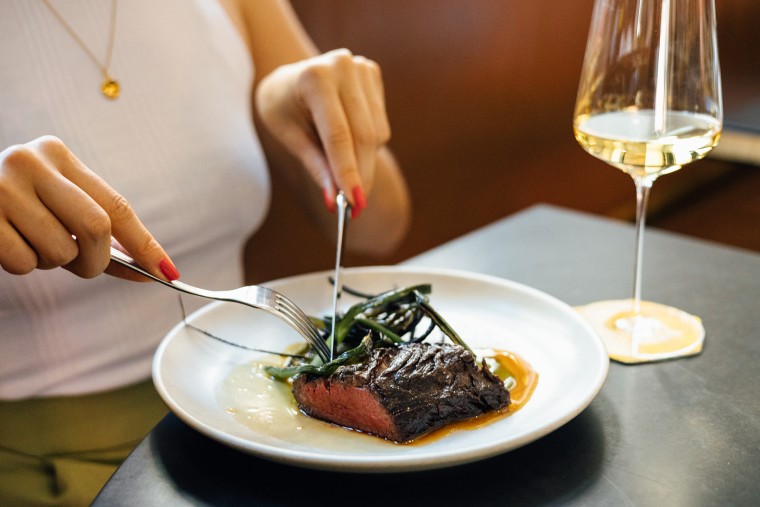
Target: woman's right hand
x,y
54,211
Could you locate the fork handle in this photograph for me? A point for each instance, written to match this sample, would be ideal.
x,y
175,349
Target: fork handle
x,y
128,262
125,260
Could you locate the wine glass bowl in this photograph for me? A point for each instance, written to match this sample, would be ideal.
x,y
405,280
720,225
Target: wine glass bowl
x,y
649,102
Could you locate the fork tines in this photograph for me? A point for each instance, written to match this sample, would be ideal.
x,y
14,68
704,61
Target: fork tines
x,y
301,321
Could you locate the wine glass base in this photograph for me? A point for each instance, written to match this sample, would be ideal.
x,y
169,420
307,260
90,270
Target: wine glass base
x,y
655,333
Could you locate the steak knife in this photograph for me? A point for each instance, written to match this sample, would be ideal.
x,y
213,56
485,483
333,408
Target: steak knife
x,y
343,209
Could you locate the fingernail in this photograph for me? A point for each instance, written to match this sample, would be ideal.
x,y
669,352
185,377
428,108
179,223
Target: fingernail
x,y
168,269
360,201
329,199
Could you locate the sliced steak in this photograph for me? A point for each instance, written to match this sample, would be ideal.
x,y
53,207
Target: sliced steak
x,y
400,393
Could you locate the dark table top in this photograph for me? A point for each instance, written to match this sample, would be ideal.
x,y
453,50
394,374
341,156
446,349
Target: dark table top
x,y
682,432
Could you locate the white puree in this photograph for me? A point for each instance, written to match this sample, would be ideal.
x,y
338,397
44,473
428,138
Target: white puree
x,y
267,407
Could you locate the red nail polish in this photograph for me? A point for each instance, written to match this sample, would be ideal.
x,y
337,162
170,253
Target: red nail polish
x,y
168,269
329,199
360,201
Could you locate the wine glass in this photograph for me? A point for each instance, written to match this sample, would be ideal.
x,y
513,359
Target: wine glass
x,y
649,101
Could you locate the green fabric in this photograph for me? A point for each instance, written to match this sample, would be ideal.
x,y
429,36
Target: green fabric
x,y
61,451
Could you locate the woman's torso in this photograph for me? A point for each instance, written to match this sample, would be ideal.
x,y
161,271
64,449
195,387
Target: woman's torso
x,y
178,144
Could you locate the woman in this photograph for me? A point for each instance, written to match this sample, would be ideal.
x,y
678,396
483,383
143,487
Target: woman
x,y
113,111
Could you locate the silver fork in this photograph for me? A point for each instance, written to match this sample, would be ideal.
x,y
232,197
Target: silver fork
x,y
254,296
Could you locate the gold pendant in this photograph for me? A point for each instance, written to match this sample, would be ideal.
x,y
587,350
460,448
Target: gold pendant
x,y
110,88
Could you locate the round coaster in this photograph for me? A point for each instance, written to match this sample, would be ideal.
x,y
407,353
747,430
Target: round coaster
x,y
654,333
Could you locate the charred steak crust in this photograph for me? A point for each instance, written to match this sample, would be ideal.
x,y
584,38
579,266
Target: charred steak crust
x,y
402,392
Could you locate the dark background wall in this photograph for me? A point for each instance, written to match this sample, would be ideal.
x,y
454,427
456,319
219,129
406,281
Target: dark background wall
x,y
480,94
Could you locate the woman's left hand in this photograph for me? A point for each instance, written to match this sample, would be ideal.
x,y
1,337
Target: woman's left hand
x,y
329,111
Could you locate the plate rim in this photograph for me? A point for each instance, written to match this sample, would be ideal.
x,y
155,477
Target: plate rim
x,y
386,463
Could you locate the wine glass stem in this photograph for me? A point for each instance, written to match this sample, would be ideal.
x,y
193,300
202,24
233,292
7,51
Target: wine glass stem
x,y
643,186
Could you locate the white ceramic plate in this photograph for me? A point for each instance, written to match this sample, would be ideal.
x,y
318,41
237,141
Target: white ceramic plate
x,y
190,369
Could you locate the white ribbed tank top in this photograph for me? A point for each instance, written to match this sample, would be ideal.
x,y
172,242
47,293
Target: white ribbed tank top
x,y
179,144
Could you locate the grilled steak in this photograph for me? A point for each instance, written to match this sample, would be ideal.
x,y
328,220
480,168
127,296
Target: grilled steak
x,y
400,393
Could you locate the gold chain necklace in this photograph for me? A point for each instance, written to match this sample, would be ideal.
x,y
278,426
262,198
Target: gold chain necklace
x,y
110,87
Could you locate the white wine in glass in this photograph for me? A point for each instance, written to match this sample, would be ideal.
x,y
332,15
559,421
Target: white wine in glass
x,y
649,102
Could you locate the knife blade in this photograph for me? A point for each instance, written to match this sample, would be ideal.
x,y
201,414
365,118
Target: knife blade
x,y
343,209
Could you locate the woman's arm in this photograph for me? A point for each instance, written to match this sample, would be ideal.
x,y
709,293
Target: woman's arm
x,y
327,115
